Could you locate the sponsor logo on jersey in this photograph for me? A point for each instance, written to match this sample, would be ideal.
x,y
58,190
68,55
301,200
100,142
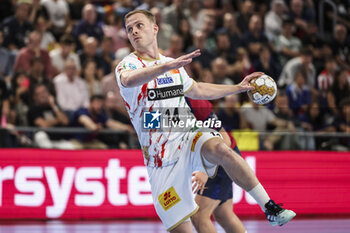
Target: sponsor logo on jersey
x,y
166,80
195,140
165,92
175,71
169,198
132,66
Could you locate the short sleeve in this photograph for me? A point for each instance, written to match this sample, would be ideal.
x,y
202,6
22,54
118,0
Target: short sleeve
x,y
125,65
187,81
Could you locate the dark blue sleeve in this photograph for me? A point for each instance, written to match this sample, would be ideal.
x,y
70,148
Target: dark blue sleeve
x,y
77,114
102,118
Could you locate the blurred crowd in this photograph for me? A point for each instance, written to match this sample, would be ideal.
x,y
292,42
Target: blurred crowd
x,y
57,61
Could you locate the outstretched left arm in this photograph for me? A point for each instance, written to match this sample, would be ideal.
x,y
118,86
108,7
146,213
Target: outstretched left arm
x,y
211,91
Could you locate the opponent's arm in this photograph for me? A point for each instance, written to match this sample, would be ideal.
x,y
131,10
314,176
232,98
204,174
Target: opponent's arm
x,y
132,78
211,91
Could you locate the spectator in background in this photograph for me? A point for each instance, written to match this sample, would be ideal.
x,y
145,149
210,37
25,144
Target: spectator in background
x,y
339,90
208,29
47,39
17,27
7,9
37,76
230,27
282,111
113,112
106,55
206,76
26,54
299,95
195,15
302,13
7,59
342,122
184,31
89,53
109,85
304,61
274,18
267,64
340,45
38,10
165,31
260,118
94,118
45,113
122,7
91,79
320,50
223,48
174,13
342,10
286,44
71,90
114,28
176,47
242,67
325,79
243,17
149,4
230,114
59,16
87,27
63,53
220,69
4,103
254,38
314,121
206,57
20,99
75,10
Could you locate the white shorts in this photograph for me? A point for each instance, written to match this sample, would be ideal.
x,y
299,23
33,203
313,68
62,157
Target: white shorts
x,y
172,185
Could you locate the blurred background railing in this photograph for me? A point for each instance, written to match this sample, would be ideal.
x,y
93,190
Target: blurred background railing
x,y
247,140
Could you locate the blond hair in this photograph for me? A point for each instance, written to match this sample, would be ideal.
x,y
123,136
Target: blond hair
x,y
147,13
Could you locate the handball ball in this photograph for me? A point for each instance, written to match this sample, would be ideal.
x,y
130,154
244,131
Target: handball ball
x,y
265,89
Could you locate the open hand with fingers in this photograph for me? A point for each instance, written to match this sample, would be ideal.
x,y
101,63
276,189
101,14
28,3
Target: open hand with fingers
x,y
199,179
184,60
244,85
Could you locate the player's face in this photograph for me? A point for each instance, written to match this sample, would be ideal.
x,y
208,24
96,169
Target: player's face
x,y
141,31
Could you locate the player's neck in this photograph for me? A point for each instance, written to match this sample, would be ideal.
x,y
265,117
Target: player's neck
x,y
149,54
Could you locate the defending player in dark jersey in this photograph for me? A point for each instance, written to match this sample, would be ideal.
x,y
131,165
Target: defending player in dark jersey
x,y
217,196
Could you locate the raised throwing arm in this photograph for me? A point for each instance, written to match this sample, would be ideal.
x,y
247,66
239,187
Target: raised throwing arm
x,y
132,78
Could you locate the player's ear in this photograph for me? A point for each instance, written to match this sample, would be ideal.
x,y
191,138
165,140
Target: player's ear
x,y
156,28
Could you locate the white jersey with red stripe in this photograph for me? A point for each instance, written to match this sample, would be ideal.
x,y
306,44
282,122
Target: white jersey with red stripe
x,y
160,148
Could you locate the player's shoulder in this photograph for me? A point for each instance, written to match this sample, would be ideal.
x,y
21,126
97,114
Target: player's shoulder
x,y
130,58
164,58
130,62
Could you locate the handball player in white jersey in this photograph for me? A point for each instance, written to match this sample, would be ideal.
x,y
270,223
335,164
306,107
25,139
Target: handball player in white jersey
x,y
177,161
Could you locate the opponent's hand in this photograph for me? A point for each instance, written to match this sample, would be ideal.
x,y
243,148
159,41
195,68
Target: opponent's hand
x,y
244,85
184,60
199,179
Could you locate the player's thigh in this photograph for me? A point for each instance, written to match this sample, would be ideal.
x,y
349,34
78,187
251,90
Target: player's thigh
x,y
224,211
206,205
185,227
225,216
